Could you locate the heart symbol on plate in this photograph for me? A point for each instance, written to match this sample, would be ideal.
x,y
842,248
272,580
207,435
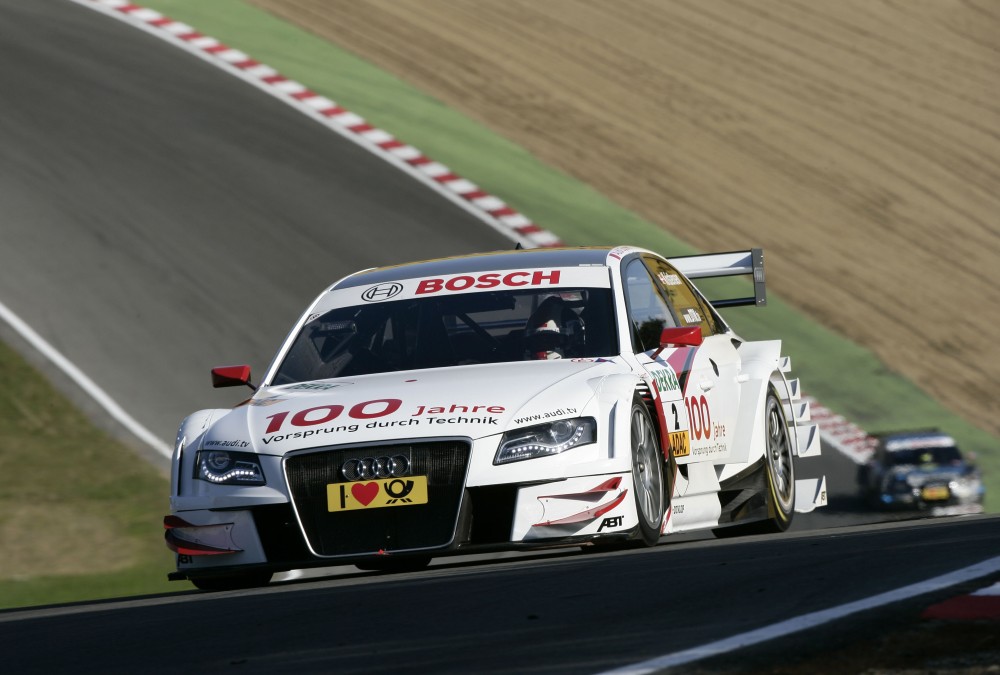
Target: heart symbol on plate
x,y
365,492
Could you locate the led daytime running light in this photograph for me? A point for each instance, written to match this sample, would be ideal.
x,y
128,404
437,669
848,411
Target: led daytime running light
x,y
228,468
545,439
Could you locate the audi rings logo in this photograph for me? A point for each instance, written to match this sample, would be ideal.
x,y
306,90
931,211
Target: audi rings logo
x,y
366,468
382,292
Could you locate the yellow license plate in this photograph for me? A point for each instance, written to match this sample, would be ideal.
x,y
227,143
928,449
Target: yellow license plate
x,y
680,443
935,492
376,494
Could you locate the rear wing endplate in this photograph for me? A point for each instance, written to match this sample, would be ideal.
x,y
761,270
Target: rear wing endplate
x,y
734,263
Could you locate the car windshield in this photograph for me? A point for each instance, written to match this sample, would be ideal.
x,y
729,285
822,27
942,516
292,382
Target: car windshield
x,y
941,456
452,330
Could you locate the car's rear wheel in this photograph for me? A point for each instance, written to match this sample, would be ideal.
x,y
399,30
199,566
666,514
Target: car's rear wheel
x,y
647,474
779,474
232,582
780,465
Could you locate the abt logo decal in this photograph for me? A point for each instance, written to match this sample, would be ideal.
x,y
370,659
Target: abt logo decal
x,y
612,522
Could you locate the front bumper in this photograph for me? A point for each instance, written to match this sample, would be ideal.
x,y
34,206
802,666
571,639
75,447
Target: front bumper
x,y
280,537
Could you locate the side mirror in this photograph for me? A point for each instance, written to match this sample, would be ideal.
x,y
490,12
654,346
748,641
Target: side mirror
x,y
231,376
686,336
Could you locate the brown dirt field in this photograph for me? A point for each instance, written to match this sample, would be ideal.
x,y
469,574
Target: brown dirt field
x,y
857,141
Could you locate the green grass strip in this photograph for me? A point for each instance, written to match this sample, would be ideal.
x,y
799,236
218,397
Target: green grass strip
x,y
74,503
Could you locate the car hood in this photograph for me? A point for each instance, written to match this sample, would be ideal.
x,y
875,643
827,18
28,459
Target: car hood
x,y
465,401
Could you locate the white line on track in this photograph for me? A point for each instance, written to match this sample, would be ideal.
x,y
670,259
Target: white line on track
x,y
85,383
807,621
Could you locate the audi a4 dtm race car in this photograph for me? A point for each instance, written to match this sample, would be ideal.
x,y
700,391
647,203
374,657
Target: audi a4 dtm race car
x,y
529,398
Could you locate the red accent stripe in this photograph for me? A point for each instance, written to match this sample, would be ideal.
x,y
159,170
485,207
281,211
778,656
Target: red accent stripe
x,y
661,420
965,608
335,110
503,211
191,548
274,79
608,485
444,178
170,522
680,360
361,128
391,144
593,493
249,63
302,95
215,49
588,514
600,512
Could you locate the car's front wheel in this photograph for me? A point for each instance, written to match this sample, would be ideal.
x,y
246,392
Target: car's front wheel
x,y
647,474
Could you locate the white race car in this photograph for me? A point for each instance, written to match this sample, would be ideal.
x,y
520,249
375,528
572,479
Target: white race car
x,y
528,398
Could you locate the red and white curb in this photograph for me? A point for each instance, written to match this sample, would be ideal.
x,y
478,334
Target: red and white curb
x,y
493,211
486,207
845,436
983,604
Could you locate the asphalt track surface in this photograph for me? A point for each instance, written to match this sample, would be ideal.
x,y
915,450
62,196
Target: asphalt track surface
x,y
160,217
558,613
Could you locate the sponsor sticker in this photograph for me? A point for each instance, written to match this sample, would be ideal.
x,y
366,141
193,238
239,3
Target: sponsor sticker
x,y
382,292
619,252
680,444
935,493
666,379
227,444
314,386
376,494
691,316
464,282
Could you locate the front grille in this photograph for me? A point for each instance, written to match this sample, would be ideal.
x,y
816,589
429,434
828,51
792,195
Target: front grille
x,y
395,528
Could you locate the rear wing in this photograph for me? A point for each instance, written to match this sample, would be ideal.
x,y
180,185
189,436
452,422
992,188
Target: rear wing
x,y
734,263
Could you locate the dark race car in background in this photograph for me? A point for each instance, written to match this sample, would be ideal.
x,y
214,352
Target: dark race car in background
x,y
921,470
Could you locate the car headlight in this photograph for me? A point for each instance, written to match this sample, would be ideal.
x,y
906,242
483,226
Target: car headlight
x,y
546,439
228,468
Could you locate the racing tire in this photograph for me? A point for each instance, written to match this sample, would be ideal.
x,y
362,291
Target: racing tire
x,y
780,466
779,478
233,582
647,473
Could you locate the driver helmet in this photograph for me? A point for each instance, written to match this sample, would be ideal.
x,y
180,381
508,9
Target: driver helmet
x,y
552,330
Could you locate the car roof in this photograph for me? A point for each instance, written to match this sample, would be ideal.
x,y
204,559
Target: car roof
x,y
916,439
480,262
